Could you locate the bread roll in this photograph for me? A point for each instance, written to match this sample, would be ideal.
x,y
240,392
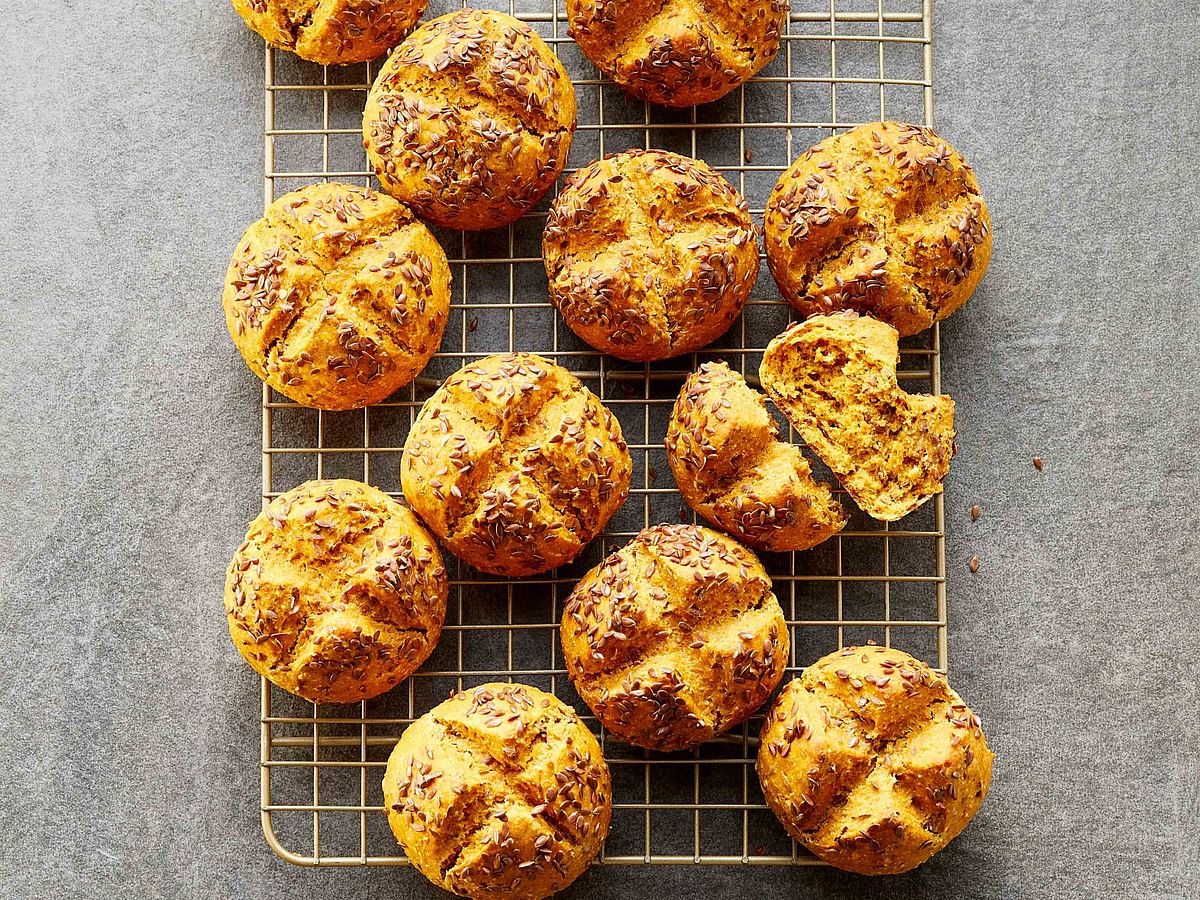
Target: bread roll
x,y
332,31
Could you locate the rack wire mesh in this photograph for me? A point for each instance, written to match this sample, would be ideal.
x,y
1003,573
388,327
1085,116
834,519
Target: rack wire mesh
x,y
843,62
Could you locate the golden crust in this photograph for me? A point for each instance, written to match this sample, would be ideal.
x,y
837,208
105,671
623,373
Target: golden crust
x,y
337,296
470,120
500,791
515,465
337,594
674,638
730,466
871,761
678,52
834,377
649,254
332,31
886,219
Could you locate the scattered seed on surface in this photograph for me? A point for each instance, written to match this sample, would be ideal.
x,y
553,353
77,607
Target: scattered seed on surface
x,y
1037,463
473,324
975,513
974,563
749,156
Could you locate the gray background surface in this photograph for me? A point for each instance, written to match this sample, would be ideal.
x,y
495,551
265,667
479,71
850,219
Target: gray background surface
x,y
129,464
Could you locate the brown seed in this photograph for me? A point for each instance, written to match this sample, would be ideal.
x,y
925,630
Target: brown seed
x,y
473,324
749,156
1037,463
975,513
974,563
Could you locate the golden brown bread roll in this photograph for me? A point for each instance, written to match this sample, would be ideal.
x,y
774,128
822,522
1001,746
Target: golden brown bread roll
x,y
337,594
332,31
886,219
470,120
674,638
649,254
337,296
834,377
730,466
871,761
515,465
500,791
678,52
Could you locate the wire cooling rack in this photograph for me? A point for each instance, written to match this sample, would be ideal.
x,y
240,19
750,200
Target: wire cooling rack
x,y
842,63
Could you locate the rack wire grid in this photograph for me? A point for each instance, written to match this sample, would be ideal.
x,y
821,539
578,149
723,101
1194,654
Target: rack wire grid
x,y
842,63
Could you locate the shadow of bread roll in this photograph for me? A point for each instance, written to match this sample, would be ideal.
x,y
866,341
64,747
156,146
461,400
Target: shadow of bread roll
x,y
886,219
871,761
834,377
331,33
500,791
337,594
730,466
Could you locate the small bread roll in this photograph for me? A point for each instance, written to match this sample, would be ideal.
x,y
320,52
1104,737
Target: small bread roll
x,y
674,638
834,377
872,762
649,254
730,466
337,297
470,120
886,220
337,594
500,791
515,465
332,31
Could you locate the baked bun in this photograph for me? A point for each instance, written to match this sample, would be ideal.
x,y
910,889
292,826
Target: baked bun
x,y
678,53
649,254
674,638
332,31
885,219
515,465
337,296
834,377
470,120
871,761
337,593
500,791
730,466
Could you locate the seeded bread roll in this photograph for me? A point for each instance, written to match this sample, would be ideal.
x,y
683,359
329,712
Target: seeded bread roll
x,y
872,762
332,31
337,593
515,465
723,448
337,296
678,52
500,791
470,120
649,254
834,377
885,219
674,638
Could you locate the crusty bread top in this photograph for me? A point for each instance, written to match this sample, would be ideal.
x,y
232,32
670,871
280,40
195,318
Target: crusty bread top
x,y
337,593
515,464
871,761
834,377
470,119
723,447
500,791
675,637
337,296
332,31
886,219
678,52
649,254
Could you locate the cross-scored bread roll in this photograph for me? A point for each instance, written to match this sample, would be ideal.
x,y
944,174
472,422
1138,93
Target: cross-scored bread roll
x,y
515,465
886,219
834,377
871,761
470,120
649,254
337,594
500,791
674,638
730,466
332,31
337,296
678,52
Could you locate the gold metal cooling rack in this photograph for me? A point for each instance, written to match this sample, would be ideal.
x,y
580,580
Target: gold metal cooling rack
x,y
843,62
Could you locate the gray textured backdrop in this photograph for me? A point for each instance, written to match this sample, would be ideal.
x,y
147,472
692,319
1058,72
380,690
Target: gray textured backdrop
x,y
129,431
